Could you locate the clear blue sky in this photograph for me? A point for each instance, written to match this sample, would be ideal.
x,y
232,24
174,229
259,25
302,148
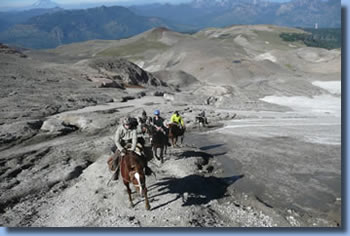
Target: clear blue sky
x,y
15,3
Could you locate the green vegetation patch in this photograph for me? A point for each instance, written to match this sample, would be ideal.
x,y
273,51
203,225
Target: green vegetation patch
x,y
289,66
137,47
274,39
320,38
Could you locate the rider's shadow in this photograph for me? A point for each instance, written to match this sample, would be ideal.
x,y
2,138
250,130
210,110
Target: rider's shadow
x,y
194,189
213,146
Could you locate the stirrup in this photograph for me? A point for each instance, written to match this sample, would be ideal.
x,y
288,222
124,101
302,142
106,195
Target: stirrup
x,y
111,164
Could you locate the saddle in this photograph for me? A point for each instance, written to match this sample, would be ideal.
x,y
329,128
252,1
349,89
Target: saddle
x,y
112,160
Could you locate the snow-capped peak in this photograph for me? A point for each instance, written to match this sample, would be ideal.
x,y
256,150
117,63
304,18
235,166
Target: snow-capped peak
x,y
44,4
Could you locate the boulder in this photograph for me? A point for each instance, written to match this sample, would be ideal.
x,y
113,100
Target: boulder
x,y
127,98
124,72
158,94
104,82
169,97
4,49
140,94
210,100
56,126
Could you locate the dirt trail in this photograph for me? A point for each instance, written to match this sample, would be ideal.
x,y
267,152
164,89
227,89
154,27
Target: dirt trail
x,y
181,196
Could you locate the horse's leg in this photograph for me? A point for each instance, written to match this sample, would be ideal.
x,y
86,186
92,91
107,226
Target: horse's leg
x,y
172,141
148,207
175,141
155,152
182,138
129,193
161,154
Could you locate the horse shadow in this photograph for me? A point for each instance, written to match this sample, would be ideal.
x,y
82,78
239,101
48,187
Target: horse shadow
x,y
194,189
205,148
204,155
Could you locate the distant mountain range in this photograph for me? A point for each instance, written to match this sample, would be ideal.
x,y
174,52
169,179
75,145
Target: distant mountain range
x,y
219,13
67,26
49,26
13,17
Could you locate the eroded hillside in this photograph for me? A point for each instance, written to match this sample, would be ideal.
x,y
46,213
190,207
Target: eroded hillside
x,y
236,66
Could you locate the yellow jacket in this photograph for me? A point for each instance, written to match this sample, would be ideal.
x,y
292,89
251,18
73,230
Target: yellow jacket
x,y
177,119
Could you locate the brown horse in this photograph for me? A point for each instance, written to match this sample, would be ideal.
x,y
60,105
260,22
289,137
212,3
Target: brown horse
x,y
131,168
159,141
174,132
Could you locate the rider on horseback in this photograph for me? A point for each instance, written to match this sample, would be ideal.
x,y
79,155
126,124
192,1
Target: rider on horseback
x,y
158,123
143,137
144,119
177,119
141,128
202,116
125,137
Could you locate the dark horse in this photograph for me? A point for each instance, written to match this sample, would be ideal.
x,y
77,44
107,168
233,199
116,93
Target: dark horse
x,y
174,132
202,121
159,140
131,168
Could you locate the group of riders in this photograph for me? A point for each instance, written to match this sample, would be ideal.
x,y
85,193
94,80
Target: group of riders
x,y
130,135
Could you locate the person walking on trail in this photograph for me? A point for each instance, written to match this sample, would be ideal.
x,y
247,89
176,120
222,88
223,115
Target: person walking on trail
x,y
177,119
